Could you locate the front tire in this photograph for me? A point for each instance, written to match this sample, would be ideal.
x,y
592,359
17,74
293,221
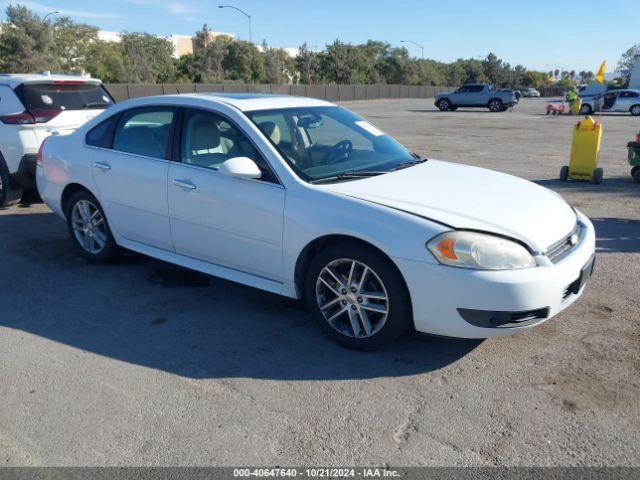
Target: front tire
x,y
444,105
585,110
89,229
564,173
495,105
358,296
598,175
635,110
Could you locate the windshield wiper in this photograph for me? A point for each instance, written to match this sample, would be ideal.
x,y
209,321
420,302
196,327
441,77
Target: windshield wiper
x,y
347,176
410,163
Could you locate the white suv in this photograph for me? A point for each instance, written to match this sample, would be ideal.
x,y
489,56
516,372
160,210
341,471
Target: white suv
x,y
32,107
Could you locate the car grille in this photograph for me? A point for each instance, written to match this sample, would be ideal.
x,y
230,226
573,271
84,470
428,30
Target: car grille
x,y
562,248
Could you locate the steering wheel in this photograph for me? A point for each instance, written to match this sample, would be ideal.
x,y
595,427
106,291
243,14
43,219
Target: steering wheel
x,y
341,149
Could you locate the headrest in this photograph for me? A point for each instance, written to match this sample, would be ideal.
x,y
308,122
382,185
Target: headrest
x,y
271,130
203,133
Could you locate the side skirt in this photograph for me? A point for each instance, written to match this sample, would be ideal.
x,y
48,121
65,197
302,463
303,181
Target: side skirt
x,y
226,273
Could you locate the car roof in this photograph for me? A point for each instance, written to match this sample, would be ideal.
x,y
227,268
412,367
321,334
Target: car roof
x,y
15,79
253,101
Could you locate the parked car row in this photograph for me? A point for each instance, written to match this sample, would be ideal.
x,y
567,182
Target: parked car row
x,y
305,199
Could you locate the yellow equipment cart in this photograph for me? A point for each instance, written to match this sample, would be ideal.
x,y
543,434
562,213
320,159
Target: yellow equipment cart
x,y
585,148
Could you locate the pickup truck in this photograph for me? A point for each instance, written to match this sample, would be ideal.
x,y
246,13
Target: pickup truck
x,y
476,95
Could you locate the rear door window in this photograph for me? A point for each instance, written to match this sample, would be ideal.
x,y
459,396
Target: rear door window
x,y
63,96
144,132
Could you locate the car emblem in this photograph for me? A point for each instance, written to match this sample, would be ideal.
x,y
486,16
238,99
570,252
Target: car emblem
x,y
573,240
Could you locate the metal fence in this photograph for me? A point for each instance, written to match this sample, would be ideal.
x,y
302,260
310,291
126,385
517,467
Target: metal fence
x,y
343,93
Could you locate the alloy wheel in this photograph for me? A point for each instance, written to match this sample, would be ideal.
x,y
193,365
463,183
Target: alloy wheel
x,y
494,105
89,227
635,111
352,298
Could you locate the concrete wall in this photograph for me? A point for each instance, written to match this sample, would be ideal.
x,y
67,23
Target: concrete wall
x,y
123,91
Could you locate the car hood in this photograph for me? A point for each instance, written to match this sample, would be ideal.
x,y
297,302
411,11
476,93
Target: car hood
x,y
466,197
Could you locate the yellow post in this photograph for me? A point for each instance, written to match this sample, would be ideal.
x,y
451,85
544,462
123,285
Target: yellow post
x,y
585,149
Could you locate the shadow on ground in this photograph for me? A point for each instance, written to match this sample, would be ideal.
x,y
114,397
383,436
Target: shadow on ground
x,y
617,235
612,185
153,314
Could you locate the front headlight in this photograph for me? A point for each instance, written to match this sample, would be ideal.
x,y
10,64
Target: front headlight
x,y
479,251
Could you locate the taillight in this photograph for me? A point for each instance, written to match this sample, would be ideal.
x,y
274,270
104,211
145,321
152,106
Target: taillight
x,y
43,116
24,118
30,117
39,161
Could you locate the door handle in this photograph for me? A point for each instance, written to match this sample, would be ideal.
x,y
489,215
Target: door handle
x,y
105,167
184,184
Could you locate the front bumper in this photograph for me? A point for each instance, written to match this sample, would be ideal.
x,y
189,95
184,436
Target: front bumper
x,y
442,296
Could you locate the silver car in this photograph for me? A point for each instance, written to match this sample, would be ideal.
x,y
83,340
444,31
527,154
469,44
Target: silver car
x,y
624,100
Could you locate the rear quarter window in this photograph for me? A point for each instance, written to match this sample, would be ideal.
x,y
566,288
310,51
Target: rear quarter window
x,y
63,96
101,134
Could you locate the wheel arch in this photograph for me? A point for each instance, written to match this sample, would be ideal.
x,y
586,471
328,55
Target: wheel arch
x,y
313,247
68,191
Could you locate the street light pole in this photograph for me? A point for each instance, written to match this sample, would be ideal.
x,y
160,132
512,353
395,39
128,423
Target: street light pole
x,y
50,13
416,44
243,13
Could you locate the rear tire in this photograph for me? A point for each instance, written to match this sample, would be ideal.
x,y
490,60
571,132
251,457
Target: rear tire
x,y
635,110
444,105
635,173
495,105
358,310
89,229
564,173
598,175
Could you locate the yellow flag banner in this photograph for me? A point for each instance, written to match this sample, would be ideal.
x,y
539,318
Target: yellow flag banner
x,y
601,72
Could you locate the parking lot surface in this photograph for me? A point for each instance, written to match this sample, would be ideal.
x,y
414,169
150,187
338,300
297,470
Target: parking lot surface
x,y
143,363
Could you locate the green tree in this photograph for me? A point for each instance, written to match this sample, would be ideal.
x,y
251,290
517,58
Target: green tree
x,y
72,43
148,59
339,63
105,60
308,65
26,42
276,63
243,62
626,62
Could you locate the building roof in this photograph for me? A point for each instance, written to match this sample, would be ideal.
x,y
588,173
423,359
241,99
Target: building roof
x,y
15,79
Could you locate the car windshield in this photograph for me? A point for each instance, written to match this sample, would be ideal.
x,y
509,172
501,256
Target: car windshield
x,y
324,143
64,95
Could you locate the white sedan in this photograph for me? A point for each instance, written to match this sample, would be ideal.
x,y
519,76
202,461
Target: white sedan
x,y
305,199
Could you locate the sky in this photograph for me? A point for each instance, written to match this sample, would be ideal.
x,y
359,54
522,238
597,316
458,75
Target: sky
x,y
541,34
